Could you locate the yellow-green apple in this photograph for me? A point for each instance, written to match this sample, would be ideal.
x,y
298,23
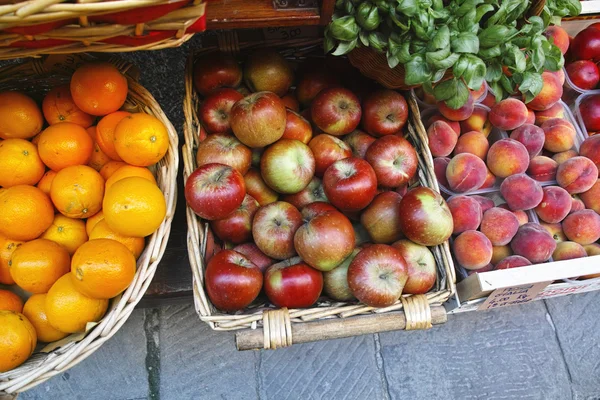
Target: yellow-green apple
x,y
425,217
267,70
381,218
335,282
258,119
293,284
273,229
215,109
224,149
384,112
350,184
393,159
237,226
287,166
327,149
336,111
217,71
422,270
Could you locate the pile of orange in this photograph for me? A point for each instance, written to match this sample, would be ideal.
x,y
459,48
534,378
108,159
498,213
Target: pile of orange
x,y
77,200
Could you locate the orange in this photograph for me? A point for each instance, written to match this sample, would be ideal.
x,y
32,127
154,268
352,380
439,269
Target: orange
x,y
20,116
98,88
35,311
10,301
102,268
77,191
65,144
141,140
20,163
36,265
99,159
91,222
46,182
25,212
68,310
36,139
68,232
134,244
58,106
105,133
134,207
128,171
17,340
7,247
110,167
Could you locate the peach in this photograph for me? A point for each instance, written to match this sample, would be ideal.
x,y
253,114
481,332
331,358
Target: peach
x,y
459,114
591,197
555,205
438,117
530,136
559,37
499,225
559,135
577,175
485,202
478,121
533,242
582,226
564,156
556,111
490,180
550,94
555,230
560,75
576,203
441,138
439,167
509,114
542,169
499,253
513,262
472,249
487,268
592,249
521,192
530,117
466,172
489,100
479,92
520,214
590,148
466,213
507,157
568,251
472,142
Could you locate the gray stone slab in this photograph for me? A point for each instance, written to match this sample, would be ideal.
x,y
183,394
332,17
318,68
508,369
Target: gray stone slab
x,y
332,369
116,371
509,353
577,323
199,363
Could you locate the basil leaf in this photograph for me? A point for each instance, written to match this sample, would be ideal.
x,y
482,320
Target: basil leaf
x,y
554,58
474,75
467,21
538,58
437,76
496,88
467,6
531,85
460,98
407,7
417,71
344,29
367,16
377,41
489,53
349,7
507,84
465,43
514,58
435,56
404,52
493,71
460,67
482,10
392,60
364,38
328,41
441,39
495,35
345,48
445,63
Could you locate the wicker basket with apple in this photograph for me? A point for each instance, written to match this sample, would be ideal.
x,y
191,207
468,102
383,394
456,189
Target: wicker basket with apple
x,y
341,228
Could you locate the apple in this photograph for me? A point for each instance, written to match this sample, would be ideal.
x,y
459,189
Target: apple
x,y
312,83
258,119
381,218
350,184
327,149
425,217
213,191
253,253
290,102
393,159
224,149
377,275
232,281
590,111
325,240
422,270
297,127
273,229
287,166
584,74
220,70
317,208
335,282
586,45
384,112
311,193
336,111
359,142
214,110
267,70
237,226
257,188
293,284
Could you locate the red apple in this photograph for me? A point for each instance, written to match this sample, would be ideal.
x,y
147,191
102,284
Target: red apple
x,y
257,188
336,111
237,226
584,74
287,166
297,127
293,284
381,218
359,142
425,217
586,45
273,229
335,282
213,191
350,184
253,253
422,270
290,102
214,110
317,208
232,281
224,149
312,83
325,240
267,70
393,159
377,275
216,71
310,194
327,149
258,119
384,113
590,112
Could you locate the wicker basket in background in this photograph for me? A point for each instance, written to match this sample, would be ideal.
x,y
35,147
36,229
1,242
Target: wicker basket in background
x,y
281,328
36,77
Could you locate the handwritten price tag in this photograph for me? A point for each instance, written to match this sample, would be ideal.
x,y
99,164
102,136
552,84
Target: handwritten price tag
x,y
291,33
513,295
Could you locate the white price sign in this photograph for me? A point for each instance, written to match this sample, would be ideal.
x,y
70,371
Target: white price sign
x,y
513,295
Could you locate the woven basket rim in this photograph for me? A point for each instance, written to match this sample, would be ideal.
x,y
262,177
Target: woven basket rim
x,y
40,368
